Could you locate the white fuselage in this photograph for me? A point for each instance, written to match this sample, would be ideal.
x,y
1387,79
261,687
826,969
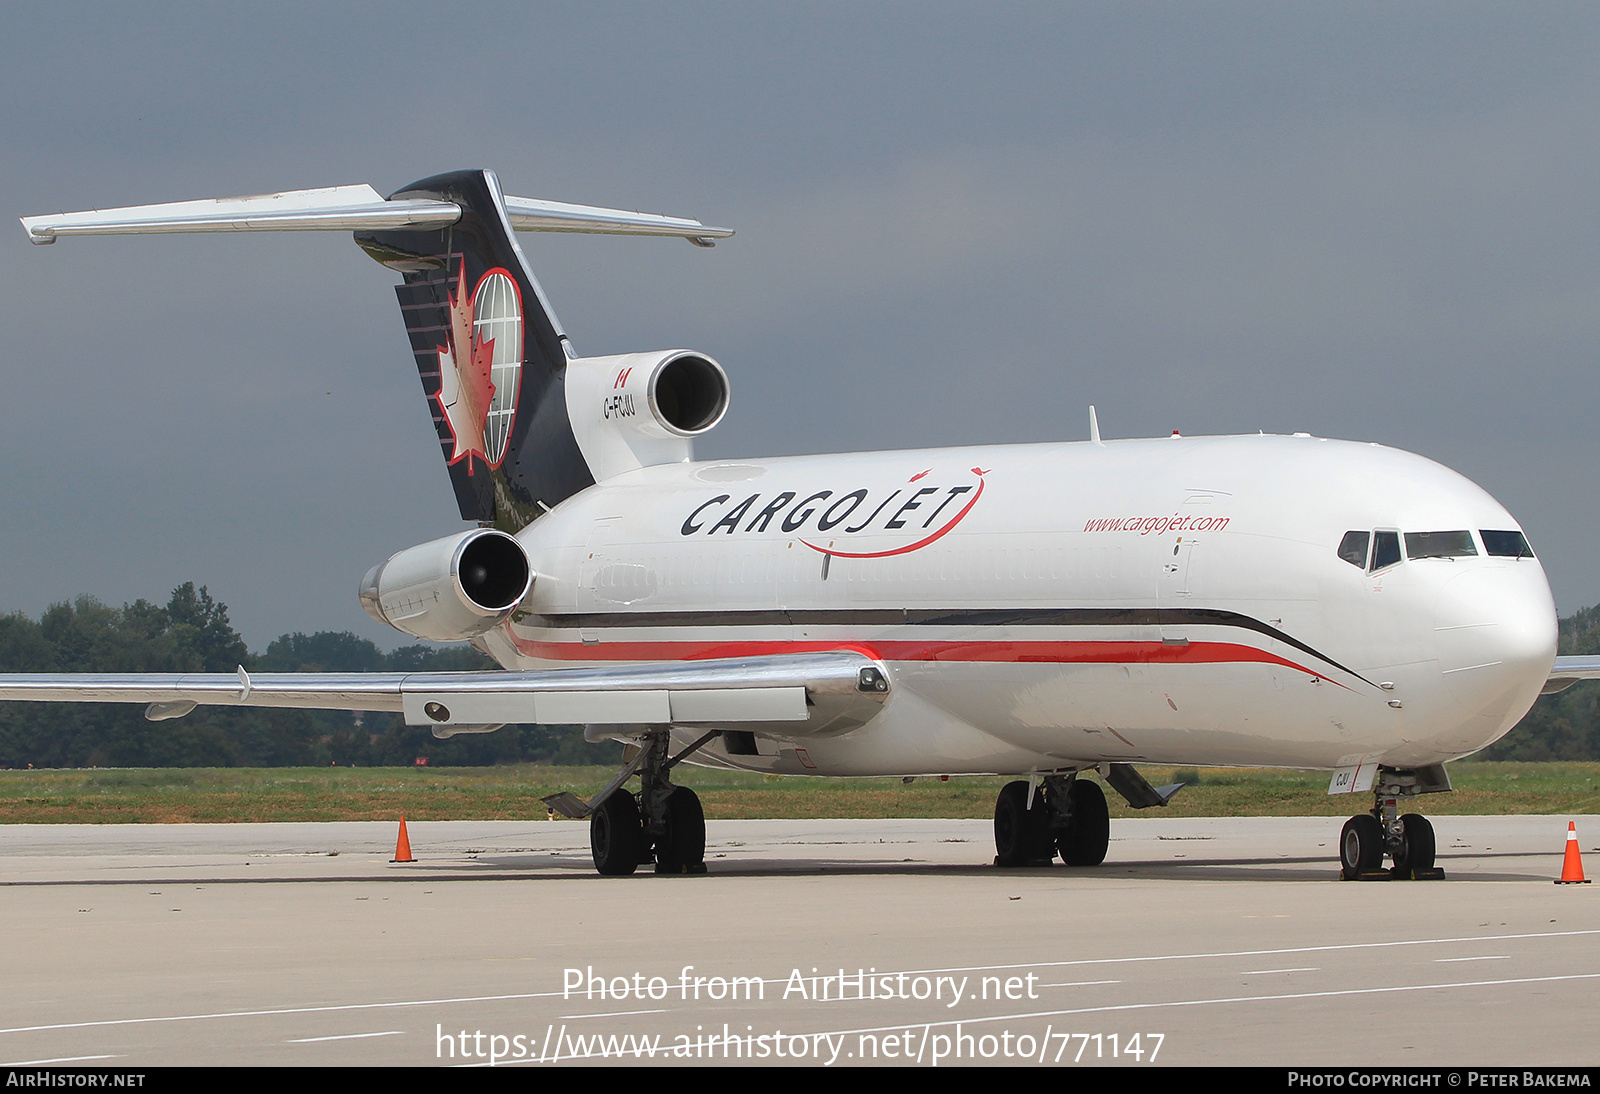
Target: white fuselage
x,y
1044,607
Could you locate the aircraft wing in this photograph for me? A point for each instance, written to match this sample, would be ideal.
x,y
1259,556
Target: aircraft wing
x,y
1569,670
801,694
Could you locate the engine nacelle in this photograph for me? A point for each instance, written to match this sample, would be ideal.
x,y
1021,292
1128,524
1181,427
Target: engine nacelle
x,y
640,409
450,589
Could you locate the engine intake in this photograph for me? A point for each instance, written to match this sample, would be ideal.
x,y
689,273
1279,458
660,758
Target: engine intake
x,y
689,394
449,589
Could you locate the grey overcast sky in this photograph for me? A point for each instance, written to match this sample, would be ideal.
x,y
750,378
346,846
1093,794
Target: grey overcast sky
x,y
958,223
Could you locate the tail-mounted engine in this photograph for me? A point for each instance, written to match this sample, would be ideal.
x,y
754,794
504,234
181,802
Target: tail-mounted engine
x,y
450,589
639,409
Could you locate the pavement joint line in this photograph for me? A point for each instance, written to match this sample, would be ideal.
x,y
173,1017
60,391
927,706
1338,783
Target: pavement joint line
x,y
1239,953
278,1010
612,1014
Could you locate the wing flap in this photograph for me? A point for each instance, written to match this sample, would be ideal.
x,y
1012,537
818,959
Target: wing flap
x,y
740,705
645,707
434,707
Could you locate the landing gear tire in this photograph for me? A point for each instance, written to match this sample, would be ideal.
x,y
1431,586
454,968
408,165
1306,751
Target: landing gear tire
x,y
682,847
1021,835
616,835
1084,843
1416,852
1361,847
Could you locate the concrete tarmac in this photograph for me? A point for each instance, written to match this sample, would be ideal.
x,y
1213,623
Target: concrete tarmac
x,y
1197,942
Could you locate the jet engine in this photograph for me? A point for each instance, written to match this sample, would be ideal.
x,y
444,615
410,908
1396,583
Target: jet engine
x,y
639,409
450,589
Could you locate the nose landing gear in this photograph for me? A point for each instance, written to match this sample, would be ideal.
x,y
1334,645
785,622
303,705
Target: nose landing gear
x,y
1407,839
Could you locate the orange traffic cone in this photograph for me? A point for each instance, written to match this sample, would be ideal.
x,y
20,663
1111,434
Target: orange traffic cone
x,y
402,846
1572,868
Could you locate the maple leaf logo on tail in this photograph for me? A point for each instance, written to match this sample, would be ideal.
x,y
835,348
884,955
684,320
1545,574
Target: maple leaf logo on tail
x,y
465,386
483,343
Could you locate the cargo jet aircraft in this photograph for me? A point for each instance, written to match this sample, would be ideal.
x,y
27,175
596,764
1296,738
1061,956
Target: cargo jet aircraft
x,y
1045,610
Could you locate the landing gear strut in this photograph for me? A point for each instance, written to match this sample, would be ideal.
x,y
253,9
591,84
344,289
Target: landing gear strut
x,y
1067,816
665,824
1406,838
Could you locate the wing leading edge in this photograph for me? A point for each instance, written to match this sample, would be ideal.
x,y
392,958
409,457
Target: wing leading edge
x,y
800,695
1569,670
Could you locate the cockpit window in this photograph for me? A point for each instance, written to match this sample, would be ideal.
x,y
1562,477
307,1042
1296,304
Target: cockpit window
x,y
1439,545
1385,549
1353,548
1506,544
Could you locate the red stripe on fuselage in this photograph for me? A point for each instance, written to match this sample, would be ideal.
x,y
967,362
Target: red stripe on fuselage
x,y
1002,651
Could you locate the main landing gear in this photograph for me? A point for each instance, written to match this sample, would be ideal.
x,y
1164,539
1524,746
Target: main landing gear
x,y
664,824
1064,815
1406,838
1067,816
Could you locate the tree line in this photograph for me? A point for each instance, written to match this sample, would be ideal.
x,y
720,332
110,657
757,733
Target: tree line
x,y
191,633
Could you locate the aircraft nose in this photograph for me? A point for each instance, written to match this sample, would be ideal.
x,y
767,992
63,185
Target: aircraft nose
x,y
1495,632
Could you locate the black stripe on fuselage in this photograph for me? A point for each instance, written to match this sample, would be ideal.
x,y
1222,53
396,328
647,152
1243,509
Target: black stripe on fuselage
x,y
930,617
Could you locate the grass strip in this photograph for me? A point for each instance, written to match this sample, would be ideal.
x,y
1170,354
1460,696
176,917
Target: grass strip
x,y
223,795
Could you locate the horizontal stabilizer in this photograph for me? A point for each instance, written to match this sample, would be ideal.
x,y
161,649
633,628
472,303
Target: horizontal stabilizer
x,y
352,208
535,215
332,208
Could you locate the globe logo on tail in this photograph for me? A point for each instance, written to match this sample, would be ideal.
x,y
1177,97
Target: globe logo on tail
x,y
480,365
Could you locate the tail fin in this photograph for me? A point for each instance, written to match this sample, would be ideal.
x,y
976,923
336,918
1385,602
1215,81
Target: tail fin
x,y
490,352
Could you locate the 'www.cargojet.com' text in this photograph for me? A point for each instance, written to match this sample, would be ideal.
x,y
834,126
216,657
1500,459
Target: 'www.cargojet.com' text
x,y
1159,525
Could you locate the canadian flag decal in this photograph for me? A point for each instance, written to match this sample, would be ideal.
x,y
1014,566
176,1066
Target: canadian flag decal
x,y
480,365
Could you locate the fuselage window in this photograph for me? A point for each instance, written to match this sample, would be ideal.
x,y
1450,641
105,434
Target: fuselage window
x,y
1439,545
1353,548
1506,544
1385,549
